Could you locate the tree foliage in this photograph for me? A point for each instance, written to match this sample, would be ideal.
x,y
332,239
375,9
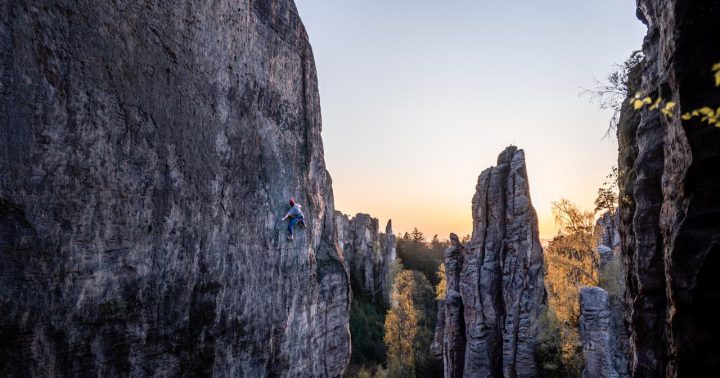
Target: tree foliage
x,y
706,114
551,356
401,326
367,318
579,227
410,325
418,255
441,288
611,93
572,261
607,199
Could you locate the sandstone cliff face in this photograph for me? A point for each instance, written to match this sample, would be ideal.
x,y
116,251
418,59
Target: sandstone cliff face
x,y
609,237
368,253
499,279
147,152
449,340
612,279
670,226
609,234
388,250
596,333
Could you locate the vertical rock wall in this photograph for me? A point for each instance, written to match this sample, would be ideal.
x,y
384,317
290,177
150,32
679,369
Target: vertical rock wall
x,y
596,333
670,207
388,250
612,279
608,237
368,253
147,153
500,281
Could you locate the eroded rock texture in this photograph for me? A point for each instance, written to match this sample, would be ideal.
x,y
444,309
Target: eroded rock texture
x,y
596,333
612,279
147,152
500,281
388,250
670,212
449,341
609,237
368,253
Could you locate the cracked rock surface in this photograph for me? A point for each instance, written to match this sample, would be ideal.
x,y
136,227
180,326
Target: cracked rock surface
x,y
670,208
495,286
147,154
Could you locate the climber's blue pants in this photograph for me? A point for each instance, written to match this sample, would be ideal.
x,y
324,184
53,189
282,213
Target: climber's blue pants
x,y
292,223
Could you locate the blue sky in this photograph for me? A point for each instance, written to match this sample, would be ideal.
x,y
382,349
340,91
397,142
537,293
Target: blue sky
x,y
418,97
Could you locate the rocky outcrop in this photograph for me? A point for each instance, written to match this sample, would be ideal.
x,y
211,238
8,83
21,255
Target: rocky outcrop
x,y
147,153
449,341
388,250
454,338
670,208
608,245
596,333
499,278
368,252
612,279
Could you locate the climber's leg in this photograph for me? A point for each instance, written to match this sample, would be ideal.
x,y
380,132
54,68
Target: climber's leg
x,y
291,224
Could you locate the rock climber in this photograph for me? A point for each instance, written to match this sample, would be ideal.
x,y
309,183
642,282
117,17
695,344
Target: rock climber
x,y
296,217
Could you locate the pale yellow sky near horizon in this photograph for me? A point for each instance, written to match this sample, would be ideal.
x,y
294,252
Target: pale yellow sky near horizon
x,y
418,97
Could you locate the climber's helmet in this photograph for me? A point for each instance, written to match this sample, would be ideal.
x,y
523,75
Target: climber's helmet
x,y
292,201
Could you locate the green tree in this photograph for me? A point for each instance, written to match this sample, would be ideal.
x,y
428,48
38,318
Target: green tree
x,y
418,255
410,327
580,225
441,288
607,199
401,326
367,327
417,236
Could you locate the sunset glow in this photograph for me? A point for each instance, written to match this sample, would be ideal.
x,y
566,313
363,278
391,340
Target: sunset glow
x,y
418,98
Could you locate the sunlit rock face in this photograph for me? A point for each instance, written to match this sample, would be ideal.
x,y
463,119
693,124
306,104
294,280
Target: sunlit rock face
x,y
670,207
388,250
608,245
147,153
499,291
368,253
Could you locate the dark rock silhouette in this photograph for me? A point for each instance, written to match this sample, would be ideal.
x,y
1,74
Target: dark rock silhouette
x,y
670,207
500,281
147,153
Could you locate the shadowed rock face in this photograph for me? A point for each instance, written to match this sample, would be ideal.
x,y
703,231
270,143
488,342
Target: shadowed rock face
x,y
596,333
147,153
500,278
452,314
670,218
368,253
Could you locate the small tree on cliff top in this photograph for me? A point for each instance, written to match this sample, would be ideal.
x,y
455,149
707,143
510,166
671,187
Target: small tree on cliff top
x,y
611,93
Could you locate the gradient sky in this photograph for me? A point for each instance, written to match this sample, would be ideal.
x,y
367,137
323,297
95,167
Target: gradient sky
x,y
418,97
